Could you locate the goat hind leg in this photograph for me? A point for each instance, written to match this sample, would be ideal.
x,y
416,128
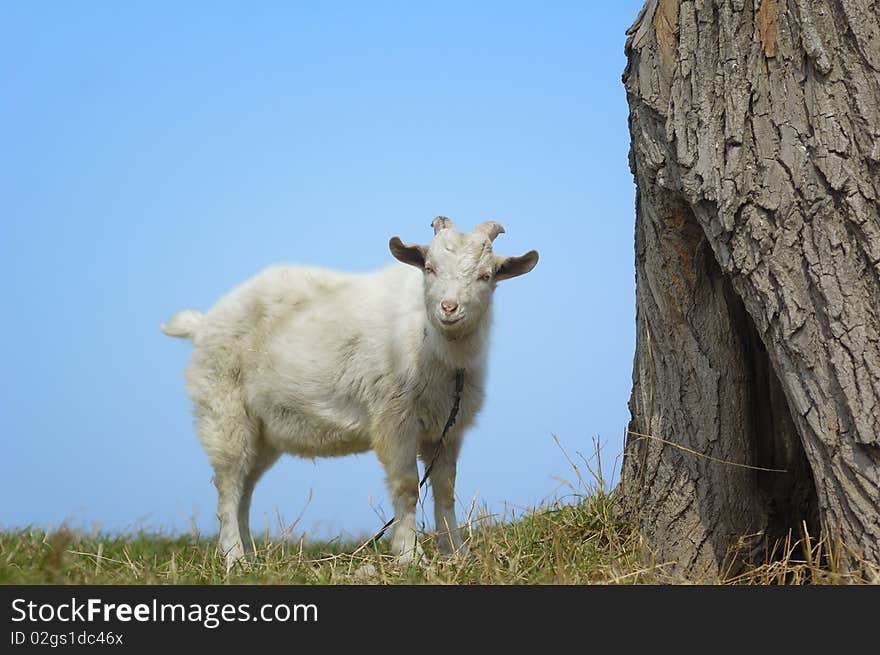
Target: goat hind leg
x,y
264,457
229,439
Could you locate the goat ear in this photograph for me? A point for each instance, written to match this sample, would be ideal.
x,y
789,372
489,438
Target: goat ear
x,y
412,255
508,267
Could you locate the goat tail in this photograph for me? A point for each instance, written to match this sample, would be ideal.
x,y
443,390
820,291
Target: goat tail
x,y
182,325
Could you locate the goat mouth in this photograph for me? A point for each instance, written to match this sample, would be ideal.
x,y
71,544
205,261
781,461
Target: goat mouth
x,y
451,321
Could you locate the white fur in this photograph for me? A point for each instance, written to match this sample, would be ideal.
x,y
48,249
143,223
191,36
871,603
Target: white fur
x,y
316,362
183,324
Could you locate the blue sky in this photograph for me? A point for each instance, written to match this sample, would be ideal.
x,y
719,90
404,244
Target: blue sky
x,y
154,155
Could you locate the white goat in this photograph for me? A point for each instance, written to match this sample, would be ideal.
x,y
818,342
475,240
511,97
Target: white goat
x,y
315,362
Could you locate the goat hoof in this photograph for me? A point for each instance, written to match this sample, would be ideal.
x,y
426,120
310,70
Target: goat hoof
x,y
460,554
236,559
410,557
365,572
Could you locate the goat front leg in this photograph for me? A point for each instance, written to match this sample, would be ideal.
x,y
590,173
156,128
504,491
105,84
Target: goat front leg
x,y
398,453
443,489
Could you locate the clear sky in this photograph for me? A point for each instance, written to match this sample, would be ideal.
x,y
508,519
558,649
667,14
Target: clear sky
x,y
155,154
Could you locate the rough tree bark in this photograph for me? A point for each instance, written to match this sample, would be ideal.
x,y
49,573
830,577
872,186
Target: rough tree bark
x,y
755,149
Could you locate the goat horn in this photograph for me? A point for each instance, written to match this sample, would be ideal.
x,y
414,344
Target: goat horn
x,y
490,228
441,223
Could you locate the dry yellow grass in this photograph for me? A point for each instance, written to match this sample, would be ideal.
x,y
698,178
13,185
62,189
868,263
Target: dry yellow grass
x,y
585,541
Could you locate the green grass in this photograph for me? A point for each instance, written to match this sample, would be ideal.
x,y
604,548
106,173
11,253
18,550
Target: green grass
x,y
581,543
585,542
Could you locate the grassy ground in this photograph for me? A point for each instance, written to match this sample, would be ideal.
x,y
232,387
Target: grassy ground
x,y
586,542
581,543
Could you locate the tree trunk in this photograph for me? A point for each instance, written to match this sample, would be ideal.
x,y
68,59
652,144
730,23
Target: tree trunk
x,y
755,407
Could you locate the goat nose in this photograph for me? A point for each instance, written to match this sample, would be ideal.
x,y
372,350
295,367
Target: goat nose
x,y
449,306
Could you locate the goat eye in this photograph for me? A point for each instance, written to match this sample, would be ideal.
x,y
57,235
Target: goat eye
x,y
429,270
485,277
